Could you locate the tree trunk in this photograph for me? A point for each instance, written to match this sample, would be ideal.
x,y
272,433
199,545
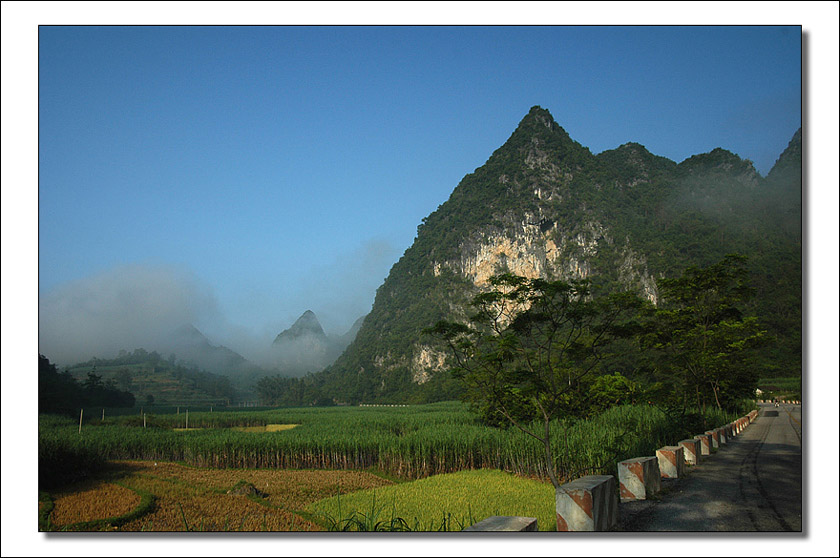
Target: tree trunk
x,y
549,462
715,391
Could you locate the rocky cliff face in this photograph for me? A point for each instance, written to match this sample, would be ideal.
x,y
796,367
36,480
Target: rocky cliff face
x,y
544,206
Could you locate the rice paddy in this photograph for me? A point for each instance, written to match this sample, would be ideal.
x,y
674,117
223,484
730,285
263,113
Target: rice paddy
x,y
460,500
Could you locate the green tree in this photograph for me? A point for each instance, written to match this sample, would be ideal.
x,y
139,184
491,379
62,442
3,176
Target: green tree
x,y
123,379
93,381
701,337
531,346
611,390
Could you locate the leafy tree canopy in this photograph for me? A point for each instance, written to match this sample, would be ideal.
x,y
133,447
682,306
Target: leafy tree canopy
x,y
530,347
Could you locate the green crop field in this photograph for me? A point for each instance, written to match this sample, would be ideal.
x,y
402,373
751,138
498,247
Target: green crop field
x,y
446,502
404,442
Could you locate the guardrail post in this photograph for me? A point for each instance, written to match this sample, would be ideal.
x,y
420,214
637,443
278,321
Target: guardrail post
x,y
705,443
505,523
671,461
638,478
715,435
589,503
691,450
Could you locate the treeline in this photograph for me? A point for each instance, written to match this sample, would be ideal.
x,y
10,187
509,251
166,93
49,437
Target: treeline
x,y
138,356
190,377
60,392
280,391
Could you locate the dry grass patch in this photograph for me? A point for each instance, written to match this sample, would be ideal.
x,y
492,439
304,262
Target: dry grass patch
x,y
266,428
92,501
195,499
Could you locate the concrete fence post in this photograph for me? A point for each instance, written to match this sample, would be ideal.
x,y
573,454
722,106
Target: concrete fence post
x,y
638,478
671,461
691,450
705,443
589,503
721,435
505,523
715,435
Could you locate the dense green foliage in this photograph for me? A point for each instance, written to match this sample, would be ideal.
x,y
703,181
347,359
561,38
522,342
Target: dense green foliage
x,y
530,346
649,216
701,341
280,391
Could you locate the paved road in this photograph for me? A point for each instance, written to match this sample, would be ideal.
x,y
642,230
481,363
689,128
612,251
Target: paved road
x,y
754,483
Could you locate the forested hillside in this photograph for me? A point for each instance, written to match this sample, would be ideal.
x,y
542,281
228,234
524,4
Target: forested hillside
x,y
152,379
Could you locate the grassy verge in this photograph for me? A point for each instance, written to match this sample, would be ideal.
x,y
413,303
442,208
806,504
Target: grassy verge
x,y
44,511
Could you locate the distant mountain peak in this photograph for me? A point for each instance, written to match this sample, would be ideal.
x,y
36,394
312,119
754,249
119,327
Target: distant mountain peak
x,y
789,164
191,345
306,325
190,334
538,118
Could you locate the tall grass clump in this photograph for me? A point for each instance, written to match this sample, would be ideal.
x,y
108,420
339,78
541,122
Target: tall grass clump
x,y
64,457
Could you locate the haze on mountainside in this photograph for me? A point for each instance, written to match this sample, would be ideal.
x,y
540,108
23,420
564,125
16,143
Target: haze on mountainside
x,y
162,309
542,205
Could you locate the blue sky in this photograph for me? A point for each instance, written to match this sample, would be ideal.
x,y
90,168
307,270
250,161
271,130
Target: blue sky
x,y
281,169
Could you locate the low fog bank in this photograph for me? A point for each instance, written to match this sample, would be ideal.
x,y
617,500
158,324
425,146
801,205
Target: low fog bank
x,y
140,306
127,307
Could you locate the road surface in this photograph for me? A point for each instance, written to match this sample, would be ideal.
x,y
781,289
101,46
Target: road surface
x,y
753,483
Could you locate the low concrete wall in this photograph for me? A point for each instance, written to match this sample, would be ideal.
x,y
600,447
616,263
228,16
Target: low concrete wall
x,y
705,443
671,461
691,450
505,523
638,478
589,503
